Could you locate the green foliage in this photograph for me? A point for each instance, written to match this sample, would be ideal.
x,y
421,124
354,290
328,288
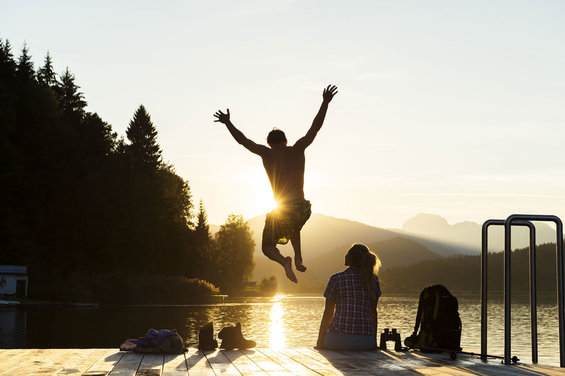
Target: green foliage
x,y
81,207
124,289
268,286
231,256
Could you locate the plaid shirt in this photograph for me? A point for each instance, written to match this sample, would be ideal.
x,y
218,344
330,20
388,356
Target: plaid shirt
x,y
353,305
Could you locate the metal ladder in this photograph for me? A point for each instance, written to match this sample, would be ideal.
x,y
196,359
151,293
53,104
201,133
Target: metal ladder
x,y
522,220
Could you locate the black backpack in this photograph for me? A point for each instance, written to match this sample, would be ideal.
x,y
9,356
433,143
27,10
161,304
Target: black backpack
x,y
438,320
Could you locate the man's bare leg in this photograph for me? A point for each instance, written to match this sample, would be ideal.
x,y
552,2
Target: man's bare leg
x,y
271,251
295,240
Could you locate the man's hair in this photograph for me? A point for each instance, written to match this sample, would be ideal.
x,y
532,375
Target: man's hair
x,y
276,136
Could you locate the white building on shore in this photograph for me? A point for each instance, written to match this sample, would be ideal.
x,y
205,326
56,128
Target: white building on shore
x,y
13,281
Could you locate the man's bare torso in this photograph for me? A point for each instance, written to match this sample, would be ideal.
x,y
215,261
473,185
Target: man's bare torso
x,y
285,168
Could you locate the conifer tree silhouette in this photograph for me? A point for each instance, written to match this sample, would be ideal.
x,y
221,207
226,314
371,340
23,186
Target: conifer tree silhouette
x,y
46,75
202,228
7,64
71,100
25,70
143,150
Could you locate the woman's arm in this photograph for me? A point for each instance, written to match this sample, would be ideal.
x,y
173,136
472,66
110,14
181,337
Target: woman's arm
x,y
375,320
326,320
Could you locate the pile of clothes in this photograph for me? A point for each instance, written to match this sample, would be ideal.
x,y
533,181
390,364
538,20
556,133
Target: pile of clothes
x,y
162,341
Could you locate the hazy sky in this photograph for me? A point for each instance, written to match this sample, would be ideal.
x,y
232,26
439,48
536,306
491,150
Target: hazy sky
x,y
449,107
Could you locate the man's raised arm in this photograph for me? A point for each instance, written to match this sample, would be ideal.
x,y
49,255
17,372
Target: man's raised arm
x,y
327,96
238,135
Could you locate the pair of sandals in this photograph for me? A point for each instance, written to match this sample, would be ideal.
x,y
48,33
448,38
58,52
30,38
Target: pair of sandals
x,y
231,337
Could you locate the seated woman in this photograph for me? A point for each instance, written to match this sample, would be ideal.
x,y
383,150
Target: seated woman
x,y
350,316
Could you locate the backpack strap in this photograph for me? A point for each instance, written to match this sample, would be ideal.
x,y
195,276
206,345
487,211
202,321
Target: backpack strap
x,y
419,314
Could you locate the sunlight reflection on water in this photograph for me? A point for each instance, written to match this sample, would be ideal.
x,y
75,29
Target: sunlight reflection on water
x,y
277,331
281,321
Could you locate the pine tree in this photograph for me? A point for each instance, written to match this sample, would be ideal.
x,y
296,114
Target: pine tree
x,y
202,227
7,63
7,97
70,99
143,150
25,70
46,75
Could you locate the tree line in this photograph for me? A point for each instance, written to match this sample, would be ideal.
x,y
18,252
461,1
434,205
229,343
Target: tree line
x,y
463,273
96,216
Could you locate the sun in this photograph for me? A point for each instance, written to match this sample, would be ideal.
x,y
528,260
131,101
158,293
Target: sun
x,y
261,196
265,201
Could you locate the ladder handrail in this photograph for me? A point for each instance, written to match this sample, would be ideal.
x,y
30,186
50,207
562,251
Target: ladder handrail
x,y
522,220
484,284
559,271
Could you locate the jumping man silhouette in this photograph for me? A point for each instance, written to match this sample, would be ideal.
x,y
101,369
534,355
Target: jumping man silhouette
x,y
285,168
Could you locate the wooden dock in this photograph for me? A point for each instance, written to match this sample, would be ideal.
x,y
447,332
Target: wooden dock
x,y
256,362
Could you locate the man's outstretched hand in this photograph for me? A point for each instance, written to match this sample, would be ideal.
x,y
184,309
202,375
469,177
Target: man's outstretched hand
x,y
221,117
328,94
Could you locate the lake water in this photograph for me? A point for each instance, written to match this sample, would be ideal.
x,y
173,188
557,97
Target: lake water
x,y
282,321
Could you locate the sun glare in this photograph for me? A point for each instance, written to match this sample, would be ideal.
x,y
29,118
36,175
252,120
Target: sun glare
x,y
265,201
277,327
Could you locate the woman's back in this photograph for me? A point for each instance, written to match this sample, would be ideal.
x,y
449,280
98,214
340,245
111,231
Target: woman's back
x,y
354,304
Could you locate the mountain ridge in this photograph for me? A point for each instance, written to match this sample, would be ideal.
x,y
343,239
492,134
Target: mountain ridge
x,y
325,239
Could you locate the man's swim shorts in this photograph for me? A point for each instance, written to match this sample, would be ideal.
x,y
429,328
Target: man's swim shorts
x,y
286,220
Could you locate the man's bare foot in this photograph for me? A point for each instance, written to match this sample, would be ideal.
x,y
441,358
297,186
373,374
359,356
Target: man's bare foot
x,y
299,266
288,269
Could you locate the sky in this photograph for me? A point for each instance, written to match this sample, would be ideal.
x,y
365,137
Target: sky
x,y
454,108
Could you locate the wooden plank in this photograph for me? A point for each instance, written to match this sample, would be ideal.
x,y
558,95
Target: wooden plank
x,y
7,354
467,365
127,365
197,363
175,365
46,362
288,363
267,364
317,366
220,364
12,359
243,363
151,365
106,363
359,363
257,362
79,360
407,362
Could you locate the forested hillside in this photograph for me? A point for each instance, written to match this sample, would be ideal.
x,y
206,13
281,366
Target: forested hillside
x,y
93,215
463,273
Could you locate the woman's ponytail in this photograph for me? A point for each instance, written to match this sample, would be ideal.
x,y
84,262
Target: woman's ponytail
x,y
368,264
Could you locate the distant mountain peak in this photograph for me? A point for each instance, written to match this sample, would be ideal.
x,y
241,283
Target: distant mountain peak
x,y
423,222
